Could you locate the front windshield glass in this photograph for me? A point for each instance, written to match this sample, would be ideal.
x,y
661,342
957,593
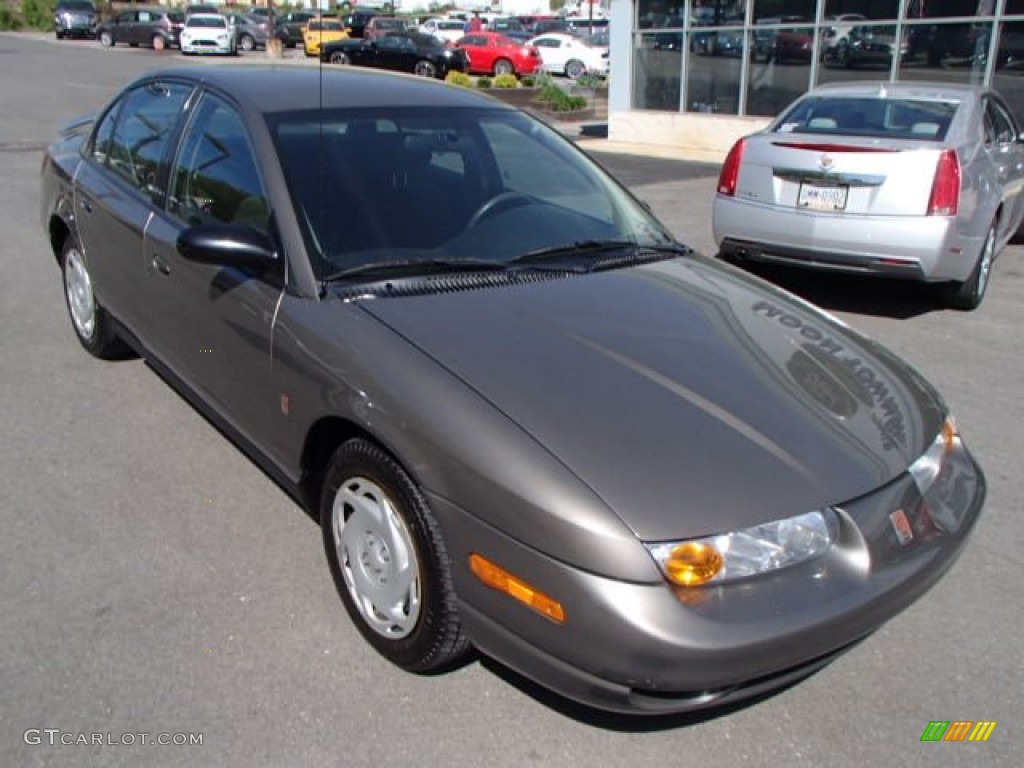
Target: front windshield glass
x,y
430,184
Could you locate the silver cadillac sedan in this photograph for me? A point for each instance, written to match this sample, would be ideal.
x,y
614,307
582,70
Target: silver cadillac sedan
x,y
909,180
529,421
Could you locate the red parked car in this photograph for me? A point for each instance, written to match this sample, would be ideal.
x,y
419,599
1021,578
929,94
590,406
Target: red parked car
x,y
491,53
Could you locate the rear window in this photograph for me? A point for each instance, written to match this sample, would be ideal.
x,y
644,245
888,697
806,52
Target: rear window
x,y
886,118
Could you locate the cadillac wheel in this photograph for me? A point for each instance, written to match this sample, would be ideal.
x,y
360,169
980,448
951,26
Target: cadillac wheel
x,y
388,559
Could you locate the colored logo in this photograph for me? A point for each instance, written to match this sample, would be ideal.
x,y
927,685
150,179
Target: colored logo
x,y
958,730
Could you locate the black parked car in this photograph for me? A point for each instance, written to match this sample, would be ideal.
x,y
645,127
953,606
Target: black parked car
x,y
157,27
75,18
288,27
415,52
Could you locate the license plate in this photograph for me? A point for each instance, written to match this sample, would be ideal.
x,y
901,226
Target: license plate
x,y
821,198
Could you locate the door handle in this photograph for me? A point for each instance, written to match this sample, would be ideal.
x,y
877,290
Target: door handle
x,y
161,266
85,205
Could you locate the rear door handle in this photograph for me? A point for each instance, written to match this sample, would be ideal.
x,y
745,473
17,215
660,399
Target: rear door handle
x,y
85,205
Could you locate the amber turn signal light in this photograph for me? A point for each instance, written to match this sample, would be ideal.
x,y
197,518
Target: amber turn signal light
x,y
498,578
693,563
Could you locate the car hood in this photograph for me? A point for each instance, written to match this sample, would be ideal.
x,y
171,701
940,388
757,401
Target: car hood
x,y
691,398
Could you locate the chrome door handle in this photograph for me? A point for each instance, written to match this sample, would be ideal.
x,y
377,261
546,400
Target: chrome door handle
x,y
161,266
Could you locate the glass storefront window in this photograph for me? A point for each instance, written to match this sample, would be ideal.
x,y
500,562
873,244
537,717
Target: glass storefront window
x,y
784,11
657,71
862,10
947,53
1014,6
713,80
1009,74
944,9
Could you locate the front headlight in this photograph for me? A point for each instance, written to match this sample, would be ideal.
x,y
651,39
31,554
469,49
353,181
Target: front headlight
x,y
747,552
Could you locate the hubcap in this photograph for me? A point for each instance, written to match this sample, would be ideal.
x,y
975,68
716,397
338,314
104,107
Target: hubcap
x,y
81,302
377,558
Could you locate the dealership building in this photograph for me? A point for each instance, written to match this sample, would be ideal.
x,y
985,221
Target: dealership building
x,y
698,74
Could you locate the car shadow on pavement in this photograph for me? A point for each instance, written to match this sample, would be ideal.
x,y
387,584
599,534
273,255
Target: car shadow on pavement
x,y
622,723
899,299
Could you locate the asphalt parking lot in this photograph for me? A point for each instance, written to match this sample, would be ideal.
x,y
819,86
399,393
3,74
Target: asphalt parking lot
x,y
153,580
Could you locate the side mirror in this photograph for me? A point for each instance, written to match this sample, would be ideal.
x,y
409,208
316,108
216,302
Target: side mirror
x,y
228,245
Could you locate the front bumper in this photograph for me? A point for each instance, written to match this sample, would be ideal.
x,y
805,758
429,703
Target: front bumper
x,y
649,648
926,248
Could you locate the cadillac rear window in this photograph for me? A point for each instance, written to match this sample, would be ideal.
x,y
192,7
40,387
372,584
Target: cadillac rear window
x,y
923,120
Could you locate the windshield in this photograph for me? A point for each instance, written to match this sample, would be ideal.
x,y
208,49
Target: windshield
x,y
75,5
411,184
919,119
206,22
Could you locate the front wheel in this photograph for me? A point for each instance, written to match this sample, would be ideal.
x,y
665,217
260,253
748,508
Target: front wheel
x,y
339,57
424,68
504,67
388,559
91,323
968,295
106,39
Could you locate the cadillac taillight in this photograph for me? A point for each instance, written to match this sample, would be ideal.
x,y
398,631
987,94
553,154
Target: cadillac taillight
x,y
945,197
731,169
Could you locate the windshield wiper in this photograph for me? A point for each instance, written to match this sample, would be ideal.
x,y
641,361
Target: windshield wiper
x,y
411,268
591,252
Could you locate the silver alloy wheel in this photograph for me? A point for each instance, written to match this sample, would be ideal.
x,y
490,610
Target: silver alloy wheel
x,y
247,43
339,57
106,39
377,557
504,67
425,69
574,69
988,251
81,301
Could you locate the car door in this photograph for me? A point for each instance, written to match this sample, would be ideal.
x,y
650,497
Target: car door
x,y
121,181
122,27
395,53
217,321
551,53
1006,159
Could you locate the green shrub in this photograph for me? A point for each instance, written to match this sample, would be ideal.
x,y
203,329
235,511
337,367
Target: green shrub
x,y
460,79
484,82
8,19
506,81
590,81
38,14
528,81
559,100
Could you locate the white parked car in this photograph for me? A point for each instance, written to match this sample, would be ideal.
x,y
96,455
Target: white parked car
x,y
208,33
570,56
448,30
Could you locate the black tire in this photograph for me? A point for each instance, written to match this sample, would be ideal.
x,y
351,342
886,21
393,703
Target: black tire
x,y
60,35
106,39
574,68
424,68
339,57
92,325
969,294
247,43
503,67
361,471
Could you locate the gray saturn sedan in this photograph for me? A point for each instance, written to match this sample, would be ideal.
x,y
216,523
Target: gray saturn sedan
x,y
919,181
529,421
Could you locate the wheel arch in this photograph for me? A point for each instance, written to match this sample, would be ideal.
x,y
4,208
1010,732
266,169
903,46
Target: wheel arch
x,y
59,231
322,440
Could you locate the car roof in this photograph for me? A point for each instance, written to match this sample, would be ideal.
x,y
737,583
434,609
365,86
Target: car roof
x,y
906,89
270,88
